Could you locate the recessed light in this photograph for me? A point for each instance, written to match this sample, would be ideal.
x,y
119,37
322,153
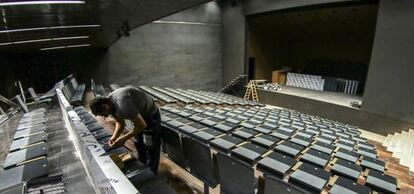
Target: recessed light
x,y
67,46
79,45
51,27
39,2
71,37
182,22
44,40
52,48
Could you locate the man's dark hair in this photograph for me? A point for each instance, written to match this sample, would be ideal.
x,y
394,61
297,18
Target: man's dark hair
x,y
96,105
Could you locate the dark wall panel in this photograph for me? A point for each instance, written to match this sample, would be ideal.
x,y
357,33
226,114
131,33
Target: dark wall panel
x,y
331,41
260,6
234,25
390,81
41,70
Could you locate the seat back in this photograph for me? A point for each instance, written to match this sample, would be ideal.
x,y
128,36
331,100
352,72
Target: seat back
x,y
235,176
172,146
200,161
276,185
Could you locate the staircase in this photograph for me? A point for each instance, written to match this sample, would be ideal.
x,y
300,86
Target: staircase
x,y
232,83
401,144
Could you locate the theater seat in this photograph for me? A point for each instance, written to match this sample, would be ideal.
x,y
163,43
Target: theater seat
x,y
275,185
200,161
235,176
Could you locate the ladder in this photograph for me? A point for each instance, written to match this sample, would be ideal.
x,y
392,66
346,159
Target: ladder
x,y
251,90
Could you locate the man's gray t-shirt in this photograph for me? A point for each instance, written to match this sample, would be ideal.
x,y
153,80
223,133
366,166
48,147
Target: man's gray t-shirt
x,y
129,101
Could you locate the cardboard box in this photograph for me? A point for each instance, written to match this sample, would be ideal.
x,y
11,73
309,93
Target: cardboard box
x,y
279,76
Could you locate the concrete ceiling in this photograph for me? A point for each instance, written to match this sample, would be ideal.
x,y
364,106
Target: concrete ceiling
x,y
99,23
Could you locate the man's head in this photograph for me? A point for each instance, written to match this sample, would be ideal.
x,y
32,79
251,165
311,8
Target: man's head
x,y
101,106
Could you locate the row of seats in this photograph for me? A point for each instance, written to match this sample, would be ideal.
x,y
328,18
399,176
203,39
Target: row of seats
x,y
179,97
275,140
27,157
189,95
170,95
97,89
138,174
73,91
223,98
158,95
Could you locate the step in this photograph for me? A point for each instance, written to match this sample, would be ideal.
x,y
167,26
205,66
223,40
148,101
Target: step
x,y
412,159
399,148
405,159
395,139
387,140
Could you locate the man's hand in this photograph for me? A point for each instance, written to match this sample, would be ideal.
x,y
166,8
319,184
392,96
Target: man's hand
x,y
116,143
112,140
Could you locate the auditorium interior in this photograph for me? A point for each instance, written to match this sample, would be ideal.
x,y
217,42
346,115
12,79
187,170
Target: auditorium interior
x,y
254,96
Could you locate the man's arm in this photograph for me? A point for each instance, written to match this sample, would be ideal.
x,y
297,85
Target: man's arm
x,y
139,125
119,128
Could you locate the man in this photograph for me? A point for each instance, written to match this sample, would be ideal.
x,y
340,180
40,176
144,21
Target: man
x,y
130,103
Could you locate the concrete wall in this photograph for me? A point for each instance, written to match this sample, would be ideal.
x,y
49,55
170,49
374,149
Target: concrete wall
x,y
390,83
182,50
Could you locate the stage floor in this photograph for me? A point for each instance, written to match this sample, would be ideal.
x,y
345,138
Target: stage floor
x,y
324,96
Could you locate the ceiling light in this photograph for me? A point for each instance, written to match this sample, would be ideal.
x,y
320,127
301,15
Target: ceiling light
x,y
52,48
44,40
70,38
75,26
79,45
5,43
67,46
181,22
52,27
31,41
39,2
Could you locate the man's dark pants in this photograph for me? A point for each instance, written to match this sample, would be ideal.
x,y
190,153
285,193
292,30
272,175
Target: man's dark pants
x,y
150,154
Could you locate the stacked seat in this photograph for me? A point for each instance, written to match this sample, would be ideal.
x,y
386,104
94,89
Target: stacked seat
x,y
73,91
26,159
